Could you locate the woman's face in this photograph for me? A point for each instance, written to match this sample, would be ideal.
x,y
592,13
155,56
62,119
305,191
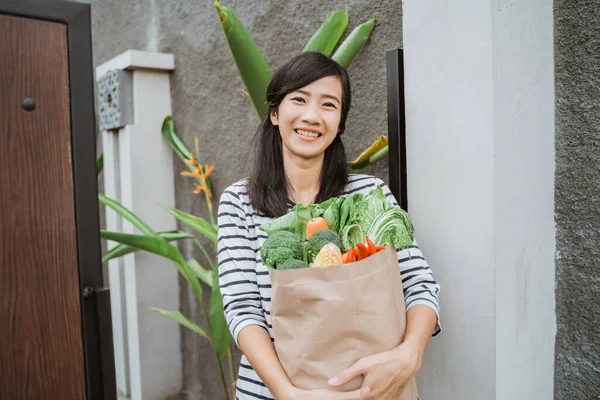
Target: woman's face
x,y
309,118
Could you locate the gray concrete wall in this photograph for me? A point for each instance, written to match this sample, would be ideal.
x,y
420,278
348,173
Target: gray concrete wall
x,y
577,77
208,100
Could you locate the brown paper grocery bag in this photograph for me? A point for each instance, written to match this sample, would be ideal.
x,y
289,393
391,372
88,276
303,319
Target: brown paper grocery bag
x,y
325,319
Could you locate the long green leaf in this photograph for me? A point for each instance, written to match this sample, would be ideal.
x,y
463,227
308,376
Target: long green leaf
x,y
151,244
380,155
168,132
158,246
100,164
181,319
328,35
205,275
127,214
354,43
219,332
202,226
364,159
251,64
124,249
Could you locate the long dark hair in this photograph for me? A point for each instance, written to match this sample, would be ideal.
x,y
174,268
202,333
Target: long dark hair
x,y
268,188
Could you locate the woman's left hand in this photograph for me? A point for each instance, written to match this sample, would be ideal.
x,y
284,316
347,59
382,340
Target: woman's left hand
x,y
385,373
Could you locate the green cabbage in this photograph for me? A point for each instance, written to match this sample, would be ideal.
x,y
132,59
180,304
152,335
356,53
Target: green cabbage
x,y
352,234
392,226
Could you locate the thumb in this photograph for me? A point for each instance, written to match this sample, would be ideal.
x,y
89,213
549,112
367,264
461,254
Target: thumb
x,y
347,374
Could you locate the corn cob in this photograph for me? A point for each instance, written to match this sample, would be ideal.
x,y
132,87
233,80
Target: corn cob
x,y
330,254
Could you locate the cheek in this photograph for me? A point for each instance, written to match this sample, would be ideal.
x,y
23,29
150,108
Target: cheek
x,y
334,121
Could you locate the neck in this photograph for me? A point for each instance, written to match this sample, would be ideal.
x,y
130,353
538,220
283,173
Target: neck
x,y
303,176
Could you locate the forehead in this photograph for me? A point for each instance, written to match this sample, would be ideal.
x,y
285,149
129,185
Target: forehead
x,y
329,85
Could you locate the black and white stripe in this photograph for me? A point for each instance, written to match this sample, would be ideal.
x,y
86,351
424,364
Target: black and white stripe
x,y
246,286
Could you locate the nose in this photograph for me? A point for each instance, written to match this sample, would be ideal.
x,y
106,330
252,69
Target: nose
x,y
311,114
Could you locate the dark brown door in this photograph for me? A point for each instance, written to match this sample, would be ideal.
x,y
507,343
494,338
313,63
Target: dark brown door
x,y
41,347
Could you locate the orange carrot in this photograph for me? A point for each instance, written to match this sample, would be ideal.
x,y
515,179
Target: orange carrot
x,y
363,251
378,247
371,246
349,256
314,225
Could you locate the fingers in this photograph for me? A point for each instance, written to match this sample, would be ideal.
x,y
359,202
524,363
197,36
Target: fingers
x,y
354,395
348,374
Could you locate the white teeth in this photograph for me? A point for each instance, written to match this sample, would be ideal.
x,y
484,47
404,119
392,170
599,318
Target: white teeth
x,y
307,133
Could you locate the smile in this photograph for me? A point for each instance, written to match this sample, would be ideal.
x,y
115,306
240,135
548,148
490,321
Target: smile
x,y
307,134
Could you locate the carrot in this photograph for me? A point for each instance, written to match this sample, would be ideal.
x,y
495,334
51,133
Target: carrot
x,y
349,256
363,251
314,225
379,248
371,246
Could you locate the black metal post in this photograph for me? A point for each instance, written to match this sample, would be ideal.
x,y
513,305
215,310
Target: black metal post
x,y
396,126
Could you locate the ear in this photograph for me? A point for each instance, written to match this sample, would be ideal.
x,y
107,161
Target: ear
x,y
274,118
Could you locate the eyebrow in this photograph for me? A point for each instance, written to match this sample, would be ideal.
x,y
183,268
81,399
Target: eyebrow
x,y
327,96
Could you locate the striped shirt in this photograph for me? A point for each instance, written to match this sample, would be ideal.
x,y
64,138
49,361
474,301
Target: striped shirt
x,y
246,286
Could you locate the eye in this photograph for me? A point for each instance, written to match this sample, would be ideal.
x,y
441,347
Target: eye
x,y
299,99
329,105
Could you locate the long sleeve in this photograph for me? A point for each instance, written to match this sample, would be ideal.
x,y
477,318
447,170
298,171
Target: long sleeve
x,y
420,286
237,266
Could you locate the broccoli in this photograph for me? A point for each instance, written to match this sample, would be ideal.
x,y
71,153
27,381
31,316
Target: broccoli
x,y
321,237
293,264
280,247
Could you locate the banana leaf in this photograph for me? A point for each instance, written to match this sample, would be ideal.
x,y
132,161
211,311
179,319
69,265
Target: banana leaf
x,y
219,332
205,275
181,319
380,155
168,132
127,214
253,68
364,160
354,43
151,244
124,249
329,34
158,246
202,226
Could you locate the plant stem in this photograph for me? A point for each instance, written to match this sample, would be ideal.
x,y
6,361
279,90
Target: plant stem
x,y
223,381
203,249
230,358
210,210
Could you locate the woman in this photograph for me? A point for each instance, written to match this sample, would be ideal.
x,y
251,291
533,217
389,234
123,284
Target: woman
x,y
299,158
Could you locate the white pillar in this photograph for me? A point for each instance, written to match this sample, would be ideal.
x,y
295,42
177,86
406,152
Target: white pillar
x,y
139,174
480,163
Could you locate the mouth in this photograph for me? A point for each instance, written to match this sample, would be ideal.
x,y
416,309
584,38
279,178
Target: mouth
x,y
307,135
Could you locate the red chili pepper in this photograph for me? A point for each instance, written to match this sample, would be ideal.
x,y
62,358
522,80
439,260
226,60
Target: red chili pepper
x,y
371,246
363,251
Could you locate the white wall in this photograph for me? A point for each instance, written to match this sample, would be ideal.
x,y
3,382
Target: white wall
x,y
522,38
479,102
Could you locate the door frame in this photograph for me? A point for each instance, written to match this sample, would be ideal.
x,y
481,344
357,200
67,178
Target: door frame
x,y
100,381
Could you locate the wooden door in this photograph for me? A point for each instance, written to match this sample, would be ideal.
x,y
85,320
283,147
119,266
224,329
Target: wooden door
x,y
55,330
41,330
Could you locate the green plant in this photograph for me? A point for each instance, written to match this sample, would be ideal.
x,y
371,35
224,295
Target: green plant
x,y
192,270
256,74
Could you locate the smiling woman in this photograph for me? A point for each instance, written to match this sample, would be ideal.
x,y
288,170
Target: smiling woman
x,y
299,157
